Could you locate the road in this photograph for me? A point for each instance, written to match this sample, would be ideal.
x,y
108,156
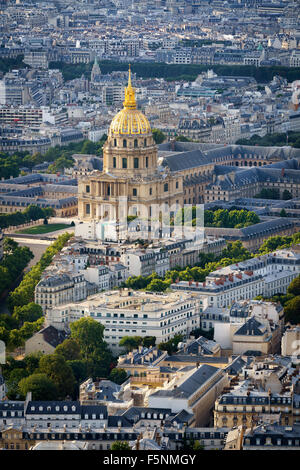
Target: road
x,y
36,246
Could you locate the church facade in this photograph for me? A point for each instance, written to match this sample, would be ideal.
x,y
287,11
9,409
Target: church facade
x,y
132,182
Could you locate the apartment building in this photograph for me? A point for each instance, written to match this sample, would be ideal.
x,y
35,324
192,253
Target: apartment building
x,y
21,116
132,313
60,288
195,393
264,275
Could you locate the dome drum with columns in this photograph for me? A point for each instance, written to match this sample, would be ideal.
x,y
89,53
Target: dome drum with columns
x,y
130,169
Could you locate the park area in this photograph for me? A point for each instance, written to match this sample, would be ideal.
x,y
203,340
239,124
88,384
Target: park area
x,y
45,228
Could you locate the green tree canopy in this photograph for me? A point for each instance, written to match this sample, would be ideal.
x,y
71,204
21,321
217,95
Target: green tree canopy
x,y
120,445
130,342
118,376
69,349
88,333
292,311
158,136
59,372
40,385
294,287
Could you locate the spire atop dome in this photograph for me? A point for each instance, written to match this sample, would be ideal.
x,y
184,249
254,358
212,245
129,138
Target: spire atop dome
x,y
130,101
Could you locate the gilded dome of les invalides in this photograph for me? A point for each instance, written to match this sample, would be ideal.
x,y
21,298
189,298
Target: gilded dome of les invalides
x,y
129,121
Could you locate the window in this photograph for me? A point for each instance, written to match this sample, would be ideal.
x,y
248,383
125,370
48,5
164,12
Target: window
x,y
176,184
135,143
115,142
134,192
150,191
145,142
124,162
87,209
135,162
87,189
114,162
166,187
124,143
147,162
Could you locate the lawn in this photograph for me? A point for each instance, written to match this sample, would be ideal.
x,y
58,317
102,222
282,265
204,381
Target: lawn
x,y
43,228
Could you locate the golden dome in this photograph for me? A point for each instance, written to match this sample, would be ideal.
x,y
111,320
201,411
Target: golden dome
x,y
129,121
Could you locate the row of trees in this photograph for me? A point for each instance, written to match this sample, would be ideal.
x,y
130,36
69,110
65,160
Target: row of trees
x,y
24,293
61,156
15,259
217,217
234,253
31,213
278,139
177,71
279,241
26,317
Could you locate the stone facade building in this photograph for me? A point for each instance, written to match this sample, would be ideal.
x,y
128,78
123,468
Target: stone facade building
x,y
131,182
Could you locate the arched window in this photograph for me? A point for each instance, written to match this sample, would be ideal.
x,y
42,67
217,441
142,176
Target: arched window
x,y
124,162
145,142
114,162
135,143
115,142
135,162
124,143
166,187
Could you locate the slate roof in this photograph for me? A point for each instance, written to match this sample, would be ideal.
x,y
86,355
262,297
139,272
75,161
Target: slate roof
x,y
191,384
53,336
54,280
251,327
90,410
134,414
53,407
114,421
236,366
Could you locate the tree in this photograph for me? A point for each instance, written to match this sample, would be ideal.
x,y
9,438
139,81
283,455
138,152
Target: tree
x,y
59,372
236,250
79,368
12,383
286,195
120,445
158,136
40,385
27,313
69,349
171,345
9,246
130,342
283,213
182,138
118,376
157,285
294,287
292,311
88,333
149,341
197,446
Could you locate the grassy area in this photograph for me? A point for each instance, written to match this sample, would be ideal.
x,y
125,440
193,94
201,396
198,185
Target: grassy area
x,y
44,228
